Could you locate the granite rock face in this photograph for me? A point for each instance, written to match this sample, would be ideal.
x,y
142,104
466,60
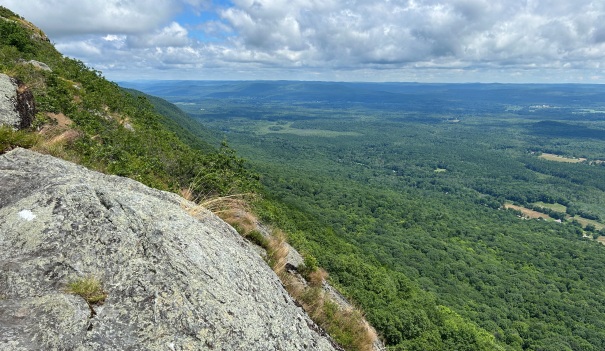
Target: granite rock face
x,y
173,282
17,107
8,99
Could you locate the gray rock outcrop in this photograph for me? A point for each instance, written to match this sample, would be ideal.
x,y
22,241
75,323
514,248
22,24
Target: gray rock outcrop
x,y
8,99
17,108
39,65
173,282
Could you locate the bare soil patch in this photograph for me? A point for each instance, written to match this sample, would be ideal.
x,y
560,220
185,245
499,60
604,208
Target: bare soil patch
x,y
62,120
527,212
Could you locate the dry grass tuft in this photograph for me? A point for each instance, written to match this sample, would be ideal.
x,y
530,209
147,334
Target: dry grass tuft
x,y
313,300
350,327
66,137
218,205
292,284
221,204
55,134
346,325
60,119
317,277
233,209
187,194
277,252
243,221
54,140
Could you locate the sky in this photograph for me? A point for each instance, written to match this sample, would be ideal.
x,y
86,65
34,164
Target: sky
x,y
507,41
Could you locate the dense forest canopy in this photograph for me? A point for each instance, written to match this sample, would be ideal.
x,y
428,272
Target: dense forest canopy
x,y
458,216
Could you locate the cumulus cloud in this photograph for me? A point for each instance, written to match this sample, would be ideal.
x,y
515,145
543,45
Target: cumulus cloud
x,y
80,47
362,32
60,18
320,36
171,35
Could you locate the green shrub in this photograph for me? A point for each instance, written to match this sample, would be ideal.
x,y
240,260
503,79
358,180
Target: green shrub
x,y
309,266
10,139
6,13
89,288
15,35
258,238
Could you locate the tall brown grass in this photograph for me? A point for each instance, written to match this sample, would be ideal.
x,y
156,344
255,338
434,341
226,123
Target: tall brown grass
x,y
317,277
346,325
277,252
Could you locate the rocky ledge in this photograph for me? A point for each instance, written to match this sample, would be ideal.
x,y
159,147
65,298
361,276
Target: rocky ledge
x,y
17,107
172,281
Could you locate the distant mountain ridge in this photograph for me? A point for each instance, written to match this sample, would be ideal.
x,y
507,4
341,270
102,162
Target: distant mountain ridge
x,y
390,93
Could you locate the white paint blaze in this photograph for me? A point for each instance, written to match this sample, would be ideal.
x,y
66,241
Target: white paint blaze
x,y
27,215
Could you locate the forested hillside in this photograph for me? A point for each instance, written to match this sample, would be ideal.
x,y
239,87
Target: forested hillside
x,y
422,201
84,118
88,120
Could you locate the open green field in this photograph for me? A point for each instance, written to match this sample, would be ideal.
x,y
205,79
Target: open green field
x,y
584,222
535,214
554,207
558,158
287,128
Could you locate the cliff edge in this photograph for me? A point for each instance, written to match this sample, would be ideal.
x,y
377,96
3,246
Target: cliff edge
x,y
170,281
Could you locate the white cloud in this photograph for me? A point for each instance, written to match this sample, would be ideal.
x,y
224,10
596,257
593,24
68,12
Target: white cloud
x,y
172,35
111,37
400,32
333,38
60,18
79,48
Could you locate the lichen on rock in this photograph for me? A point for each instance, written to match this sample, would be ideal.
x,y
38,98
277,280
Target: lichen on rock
x,y
173,282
